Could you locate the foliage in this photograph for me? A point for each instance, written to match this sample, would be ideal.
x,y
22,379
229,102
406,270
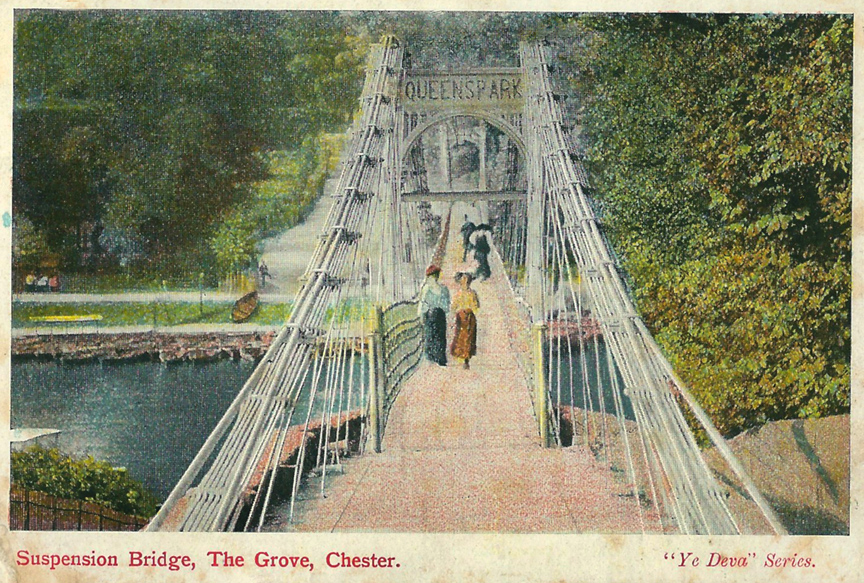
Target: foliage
x,y
138,134
296,180
86,479
720,149
456,38
234,244
28,245
759,336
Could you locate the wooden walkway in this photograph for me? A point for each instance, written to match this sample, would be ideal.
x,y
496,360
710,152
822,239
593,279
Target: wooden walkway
x,y
461,452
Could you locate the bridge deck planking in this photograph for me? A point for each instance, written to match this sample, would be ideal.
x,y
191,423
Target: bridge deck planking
x,y
461,452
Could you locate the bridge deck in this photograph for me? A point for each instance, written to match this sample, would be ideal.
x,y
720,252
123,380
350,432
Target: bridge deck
x,y
462,453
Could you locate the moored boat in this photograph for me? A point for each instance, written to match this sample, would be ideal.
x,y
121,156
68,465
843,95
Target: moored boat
x,y
245,307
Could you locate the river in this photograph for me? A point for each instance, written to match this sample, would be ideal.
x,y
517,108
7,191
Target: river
x,y
148,417
152,418
595,364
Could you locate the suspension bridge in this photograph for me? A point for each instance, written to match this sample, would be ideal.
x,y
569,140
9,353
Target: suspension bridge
x,y
570,418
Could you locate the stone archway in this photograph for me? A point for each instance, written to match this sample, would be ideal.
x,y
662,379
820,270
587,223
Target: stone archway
x,y
509,130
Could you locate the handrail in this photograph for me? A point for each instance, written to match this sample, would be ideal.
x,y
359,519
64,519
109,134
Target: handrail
x,y
396,351
401,342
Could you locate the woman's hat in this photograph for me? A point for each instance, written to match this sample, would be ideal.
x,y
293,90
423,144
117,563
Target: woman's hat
x,y
432,270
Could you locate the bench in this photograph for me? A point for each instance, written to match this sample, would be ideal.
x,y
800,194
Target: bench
x,y
68,319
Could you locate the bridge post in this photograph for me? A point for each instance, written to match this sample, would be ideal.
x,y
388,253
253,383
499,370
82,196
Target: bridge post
x,y
535,236
376,380
538,331
444,145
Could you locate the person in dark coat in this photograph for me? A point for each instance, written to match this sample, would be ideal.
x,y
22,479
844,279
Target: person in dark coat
x,y
263,273
481,255
434,303
467,230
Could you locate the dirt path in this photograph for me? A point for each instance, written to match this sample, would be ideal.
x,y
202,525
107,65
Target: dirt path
x,y
288,254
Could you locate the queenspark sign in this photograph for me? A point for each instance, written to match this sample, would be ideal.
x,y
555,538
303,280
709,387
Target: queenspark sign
x,y
501,89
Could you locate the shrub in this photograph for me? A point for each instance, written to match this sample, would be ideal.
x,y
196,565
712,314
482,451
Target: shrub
x,y
57,474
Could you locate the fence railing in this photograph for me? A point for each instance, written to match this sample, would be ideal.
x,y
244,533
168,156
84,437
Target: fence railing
x,y
30,510
396,347
402,341
396,350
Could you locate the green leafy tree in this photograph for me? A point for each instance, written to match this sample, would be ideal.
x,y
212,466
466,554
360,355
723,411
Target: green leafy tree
x,y
720,149
172,112
234,244
28,245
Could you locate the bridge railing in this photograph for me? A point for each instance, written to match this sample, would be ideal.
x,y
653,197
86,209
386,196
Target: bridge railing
x,y
401,341
632,417
212,494
397,344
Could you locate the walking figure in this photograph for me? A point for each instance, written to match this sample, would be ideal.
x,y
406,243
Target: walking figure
x,y
465,305
481,255
263,273
433,307
467,230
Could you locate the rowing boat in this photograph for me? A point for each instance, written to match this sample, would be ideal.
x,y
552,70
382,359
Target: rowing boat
x,y
244,307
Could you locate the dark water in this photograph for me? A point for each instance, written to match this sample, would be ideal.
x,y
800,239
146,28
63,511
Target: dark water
x,y
584,396
150,418
147,417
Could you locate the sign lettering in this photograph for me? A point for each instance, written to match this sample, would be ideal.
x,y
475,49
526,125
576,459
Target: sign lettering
x,y
438,91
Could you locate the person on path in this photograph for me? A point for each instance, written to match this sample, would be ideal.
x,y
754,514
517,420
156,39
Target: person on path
x,y
467,230
481,255
465,305
263,273
433,307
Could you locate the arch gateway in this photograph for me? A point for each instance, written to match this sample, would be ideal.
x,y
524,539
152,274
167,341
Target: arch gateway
x,y
461,135
445,108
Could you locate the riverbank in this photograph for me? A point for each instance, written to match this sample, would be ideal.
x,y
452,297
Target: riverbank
x,y
801,466
161,346
99,316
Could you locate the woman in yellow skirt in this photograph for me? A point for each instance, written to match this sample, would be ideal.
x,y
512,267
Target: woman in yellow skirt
x,y
465,304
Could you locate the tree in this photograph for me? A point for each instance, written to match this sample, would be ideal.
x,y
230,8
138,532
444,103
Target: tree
x,y
172,111
720,149
28,245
